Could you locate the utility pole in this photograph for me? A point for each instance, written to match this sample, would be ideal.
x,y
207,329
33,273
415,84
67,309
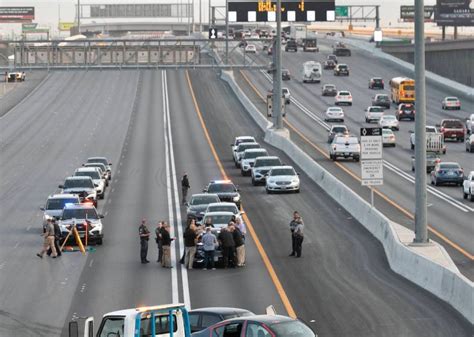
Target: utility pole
x,y
377,17
277,119
421,231
200,16
79,16
227,32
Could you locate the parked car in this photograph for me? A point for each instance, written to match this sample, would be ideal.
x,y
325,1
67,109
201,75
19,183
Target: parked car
x,y
447,173
382,100
373,114
202,318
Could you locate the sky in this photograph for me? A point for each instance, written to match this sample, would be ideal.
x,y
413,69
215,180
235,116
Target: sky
x,y
47,11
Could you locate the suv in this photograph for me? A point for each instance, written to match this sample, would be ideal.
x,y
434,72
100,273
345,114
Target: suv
x,y
452,128
329,64
341,69
405,110
261,167
239,151
345,146
329,90
104,161
285,75
97,178
381,100
291,45
373,113
376,83
248,159
281,179
102,169
79,214
55,204
337,130
82,186
196,207
225,190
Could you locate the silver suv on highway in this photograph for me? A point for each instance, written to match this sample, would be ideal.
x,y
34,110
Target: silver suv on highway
x,y
261,167
248,159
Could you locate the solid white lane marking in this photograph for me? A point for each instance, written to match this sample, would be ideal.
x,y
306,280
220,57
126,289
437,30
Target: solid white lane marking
x,y
28,228
184,271
174,272
90,263
16,245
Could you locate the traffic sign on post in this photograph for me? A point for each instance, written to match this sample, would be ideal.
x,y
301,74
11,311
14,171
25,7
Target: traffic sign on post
x,y
372,172
212,33
371,158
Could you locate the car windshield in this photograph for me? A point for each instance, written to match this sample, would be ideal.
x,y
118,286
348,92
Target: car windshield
x,y
339,129
345,140
267,162
98,165
452,124
377,80
431,155
53,204
92,174
452,99
389,117
329,87
283,172
449,166
244,140
335,109
221,188
387,132
407,108
78,183
223,208
382,97
291,328
219,219
376,109
344,93
342,66
79,213
204,199
98,160
246,146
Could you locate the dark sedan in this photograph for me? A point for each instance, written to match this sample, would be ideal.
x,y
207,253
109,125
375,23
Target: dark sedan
x,y
198,204
259,325
447,173
376,83
381,100
203,318
432,158
329,90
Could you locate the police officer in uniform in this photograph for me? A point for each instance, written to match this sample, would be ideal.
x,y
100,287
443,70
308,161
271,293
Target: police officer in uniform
x,y
144,234
185,187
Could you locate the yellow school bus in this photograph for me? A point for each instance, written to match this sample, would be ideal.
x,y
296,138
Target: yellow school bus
x,y
402,90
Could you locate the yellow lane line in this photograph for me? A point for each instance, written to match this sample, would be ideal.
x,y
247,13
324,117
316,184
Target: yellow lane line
x,y
271,271
353,175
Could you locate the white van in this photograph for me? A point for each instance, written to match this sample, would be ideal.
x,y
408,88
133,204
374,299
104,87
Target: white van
x,y
312,72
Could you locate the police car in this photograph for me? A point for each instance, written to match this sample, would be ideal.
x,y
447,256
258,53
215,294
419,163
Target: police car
x,y
82,186
85,217
55,204
226,191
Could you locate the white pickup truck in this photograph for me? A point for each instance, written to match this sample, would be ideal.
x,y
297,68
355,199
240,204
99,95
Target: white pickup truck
x,y
170,320
470,124
468,186
434,140
345,146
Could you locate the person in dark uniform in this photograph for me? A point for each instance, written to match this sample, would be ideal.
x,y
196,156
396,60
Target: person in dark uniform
x,y
185,187
227,243
144,234
159,240
57,238
298,234
293,224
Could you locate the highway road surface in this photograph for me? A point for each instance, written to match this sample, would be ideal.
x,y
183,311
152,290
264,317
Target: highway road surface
x,y
449,215
153,126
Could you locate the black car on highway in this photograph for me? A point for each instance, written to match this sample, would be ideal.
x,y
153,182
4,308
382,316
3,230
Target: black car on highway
x,y
226,191
285,75
376,83
198,204
291,45
202,318
329,64
381,100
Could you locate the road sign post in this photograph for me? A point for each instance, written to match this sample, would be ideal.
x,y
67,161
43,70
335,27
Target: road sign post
x,y
371,159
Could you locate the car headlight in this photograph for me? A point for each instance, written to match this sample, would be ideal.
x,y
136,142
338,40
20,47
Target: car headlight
x,y
47,217
236,198
294,181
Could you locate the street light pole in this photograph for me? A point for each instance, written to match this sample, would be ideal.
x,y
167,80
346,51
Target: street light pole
x,y
277,119
421,231
226,32
79,16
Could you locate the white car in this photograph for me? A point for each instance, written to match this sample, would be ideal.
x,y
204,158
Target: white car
x,y
388,138
104,161
241,139
345,146
468,186
248,159
78,214
239,151
219,220
334,114
224,207
282,178
451,103
55,204
250,48
262,166
343,97
286,95
389,122
97,178
373,113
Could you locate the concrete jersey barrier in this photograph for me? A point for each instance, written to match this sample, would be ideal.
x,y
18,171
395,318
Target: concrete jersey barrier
x,y
428,266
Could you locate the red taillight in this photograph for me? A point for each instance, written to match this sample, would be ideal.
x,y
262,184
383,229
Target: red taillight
x,y
442,129
382,82
437,160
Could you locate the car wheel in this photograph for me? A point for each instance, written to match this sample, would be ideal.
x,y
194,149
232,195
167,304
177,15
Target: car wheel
x,y
471,197
356,159
297,191
254,183
268,191
436,182
413,168
102,196
412,146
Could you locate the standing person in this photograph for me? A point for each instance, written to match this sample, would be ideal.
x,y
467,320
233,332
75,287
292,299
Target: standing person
x,y
166,238
227,243
209,244
239,246
241,226
298,234
293,224
57,238
144,235
159,241
48,240
190,236
185,187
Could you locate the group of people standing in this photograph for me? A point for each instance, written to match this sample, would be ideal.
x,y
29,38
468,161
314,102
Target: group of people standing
x,y
51,239
163,240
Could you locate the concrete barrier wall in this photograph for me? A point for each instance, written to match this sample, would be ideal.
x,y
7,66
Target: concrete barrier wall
x,y
445,282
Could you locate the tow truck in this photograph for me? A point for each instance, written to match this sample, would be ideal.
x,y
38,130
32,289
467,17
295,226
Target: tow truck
x,y
170,320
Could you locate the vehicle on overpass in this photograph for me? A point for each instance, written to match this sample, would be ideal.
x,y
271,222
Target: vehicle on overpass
x,y
389,122
434,140
334,113
196,208
337,130
203,318
468,187
388,138
225,189
381,100
81,186
87,221
376,83
55,205
402,90
373,114
311,72
138,322
405,111
262,166
341,69
343,97
248,160
329,90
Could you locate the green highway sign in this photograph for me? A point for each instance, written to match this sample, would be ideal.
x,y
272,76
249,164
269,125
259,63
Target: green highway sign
x,y
342,11
28,26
